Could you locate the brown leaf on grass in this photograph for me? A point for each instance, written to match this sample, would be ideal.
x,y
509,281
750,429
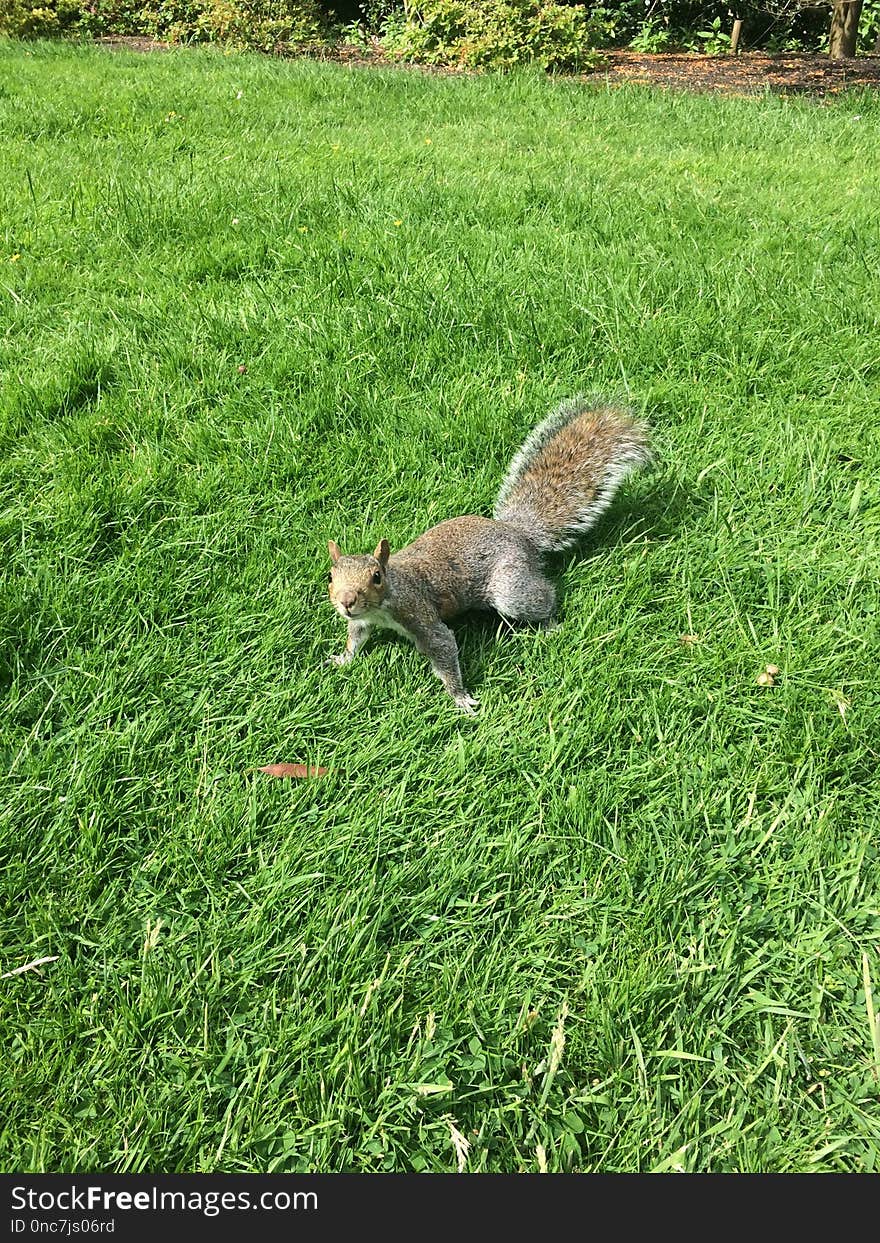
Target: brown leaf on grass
x,y
292,770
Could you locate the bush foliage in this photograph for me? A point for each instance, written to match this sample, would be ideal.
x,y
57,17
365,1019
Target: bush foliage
x,y
499,34
34,21
265,25
556,34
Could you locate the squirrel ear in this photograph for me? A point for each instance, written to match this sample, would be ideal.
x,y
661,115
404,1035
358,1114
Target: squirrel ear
x,y
333,549
383,552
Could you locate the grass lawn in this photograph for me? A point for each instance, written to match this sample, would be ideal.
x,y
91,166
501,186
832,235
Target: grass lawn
x,y
625,919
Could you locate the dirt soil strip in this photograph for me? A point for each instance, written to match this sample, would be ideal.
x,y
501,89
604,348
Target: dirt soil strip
x,y
748,74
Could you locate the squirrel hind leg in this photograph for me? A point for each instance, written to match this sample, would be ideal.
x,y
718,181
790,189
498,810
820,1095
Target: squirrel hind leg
x,y
520,593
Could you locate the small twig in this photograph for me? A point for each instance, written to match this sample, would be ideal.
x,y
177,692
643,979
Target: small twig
x,y
873,1020
460,1144
28,966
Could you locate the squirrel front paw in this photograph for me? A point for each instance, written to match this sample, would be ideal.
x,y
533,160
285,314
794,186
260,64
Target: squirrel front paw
x,y
342,659
466,703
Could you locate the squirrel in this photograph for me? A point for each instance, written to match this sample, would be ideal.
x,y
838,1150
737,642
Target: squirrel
x,y
559,483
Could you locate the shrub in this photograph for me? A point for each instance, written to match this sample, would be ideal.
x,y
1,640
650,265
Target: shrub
x,y
260,24
497,34
26,20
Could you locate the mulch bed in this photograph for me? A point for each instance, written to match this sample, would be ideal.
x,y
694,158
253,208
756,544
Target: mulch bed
x,y
131,43
750,73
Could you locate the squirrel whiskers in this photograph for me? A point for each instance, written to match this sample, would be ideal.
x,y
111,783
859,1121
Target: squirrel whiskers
x,y
558,485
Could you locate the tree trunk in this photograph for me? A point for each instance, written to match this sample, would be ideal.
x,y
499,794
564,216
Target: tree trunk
x,y
844,28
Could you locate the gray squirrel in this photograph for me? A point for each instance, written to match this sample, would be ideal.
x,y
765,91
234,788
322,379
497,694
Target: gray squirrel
x,y
559,483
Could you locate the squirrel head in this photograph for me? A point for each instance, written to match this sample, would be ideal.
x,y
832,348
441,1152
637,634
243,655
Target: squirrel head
x,y
357,585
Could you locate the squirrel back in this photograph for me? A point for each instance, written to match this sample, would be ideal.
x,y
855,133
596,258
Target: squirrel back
x,y
568,470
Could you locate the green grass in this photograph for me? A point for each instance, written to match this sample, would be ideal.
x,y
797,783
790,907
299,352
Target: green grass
x,y
633,844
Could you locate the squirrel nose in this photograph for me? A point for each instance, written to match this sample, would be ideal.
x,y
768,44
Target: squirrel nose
x,y
347,599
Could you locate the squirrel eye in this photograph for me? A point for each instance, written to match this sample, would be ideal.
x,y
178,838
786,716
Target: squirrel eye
x,y
329,578
377,578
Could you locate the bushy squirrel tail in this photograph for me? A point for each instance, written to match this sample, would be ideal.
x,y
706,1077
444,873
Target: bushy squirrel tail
x,y
568,470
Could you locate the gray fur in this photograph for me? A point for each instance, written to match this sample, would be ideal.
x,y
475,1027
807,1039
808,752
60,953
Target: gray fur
x,y
519,590
560,481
